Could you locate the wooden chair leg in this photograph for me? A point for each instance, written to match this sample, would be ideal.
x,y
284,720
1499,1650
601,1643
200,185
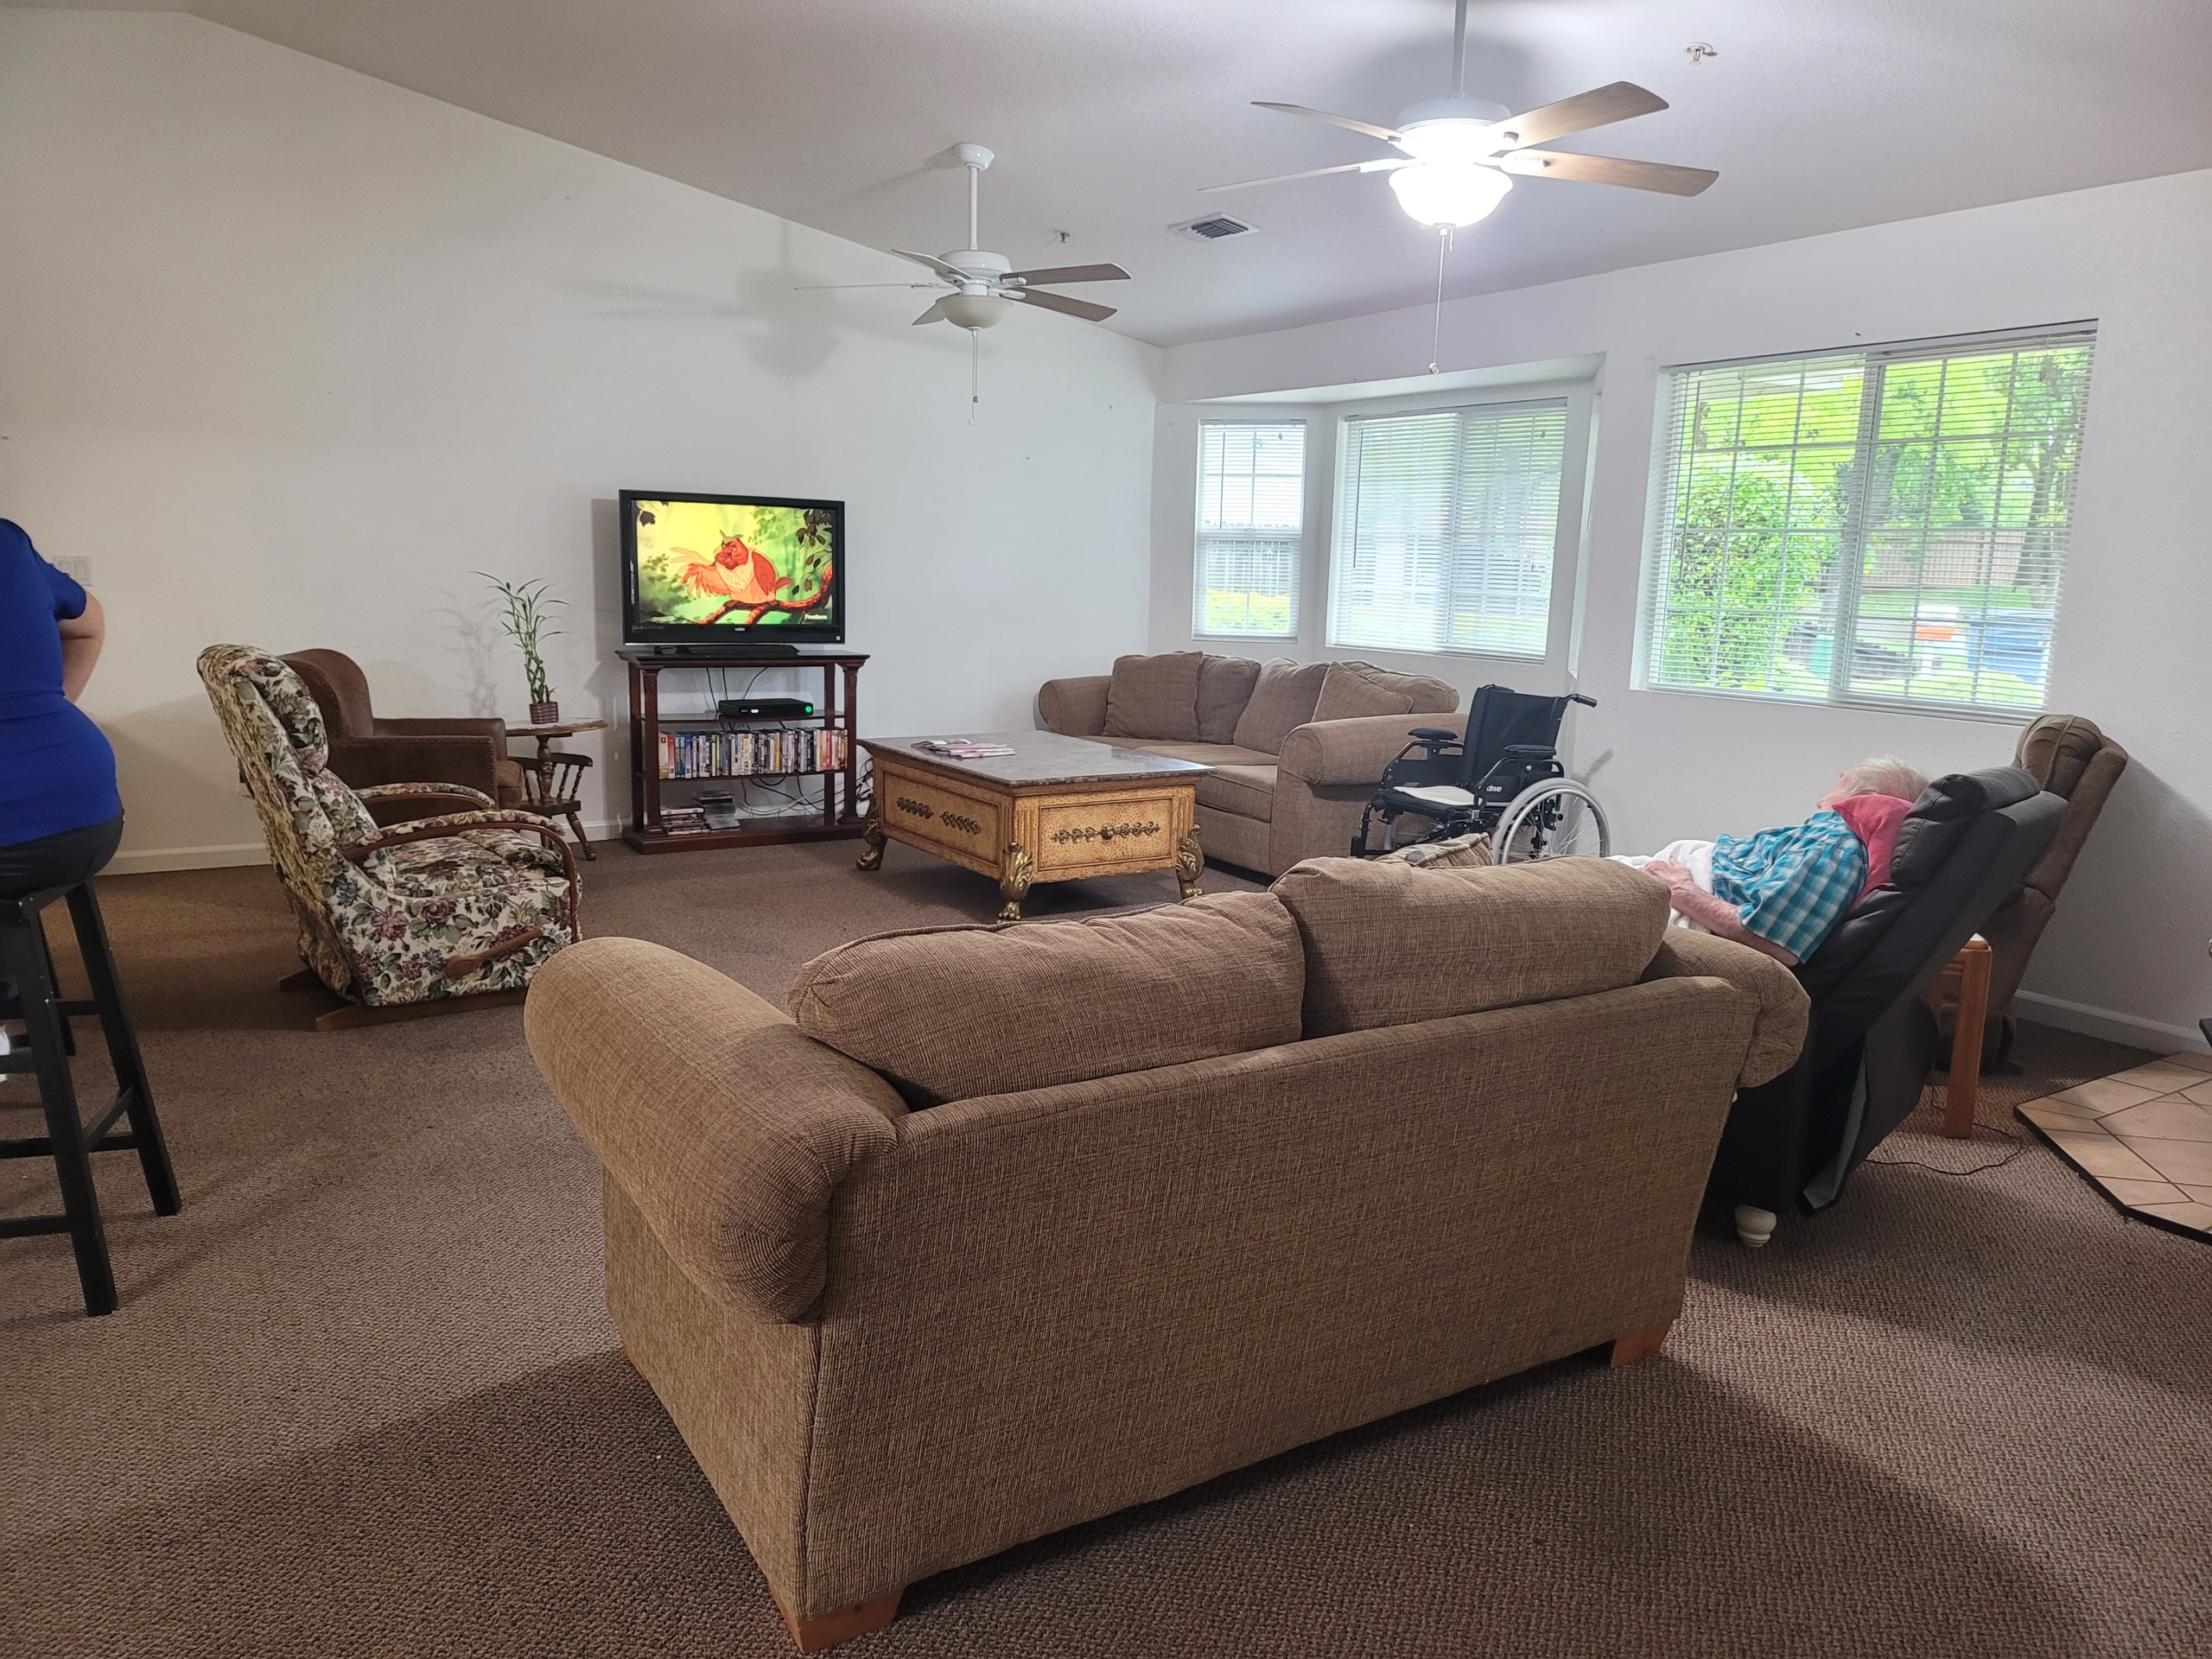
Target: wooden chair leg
x,y
1640,1344
1961,1089
827,1630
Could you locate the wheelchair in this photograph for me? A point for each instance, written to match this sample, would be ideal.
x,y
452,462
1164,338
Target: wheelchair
x,y
1502,780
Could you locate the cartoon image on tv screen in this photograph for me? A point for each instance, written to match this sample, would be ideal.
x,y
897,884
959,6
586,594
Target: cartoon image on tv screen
x,y
707,562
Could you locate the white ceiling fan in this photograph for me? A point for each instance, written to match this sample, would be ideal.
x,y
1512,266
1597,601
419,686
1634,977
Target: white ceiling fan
x,y
984,284
1458,156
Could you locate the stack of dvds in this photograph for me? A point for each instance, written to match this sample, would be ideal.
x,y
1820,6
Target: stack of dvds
x,y
683,820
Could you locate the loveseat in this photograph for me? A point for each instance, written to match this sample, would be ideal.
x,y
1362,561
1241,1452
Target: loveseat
x,y
1012,1227
1296,748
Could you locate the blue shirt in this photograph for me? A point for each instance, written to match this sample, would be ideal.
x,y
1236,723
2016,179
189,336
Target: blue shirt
x,y
56,770
1789,886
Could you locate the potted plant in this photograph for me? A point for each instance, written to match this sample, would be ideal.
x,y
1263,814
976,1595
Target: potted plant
x,y
524,623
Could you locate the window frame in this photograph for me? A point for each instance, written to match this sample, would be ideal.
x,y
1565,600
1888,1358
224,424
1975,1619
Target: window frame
x,y
1301,562
1876,359
1339,540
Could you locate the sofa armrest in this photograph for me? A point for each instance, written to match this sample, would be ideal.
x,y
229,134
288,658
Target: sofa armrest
x,y
1075,708
727,1128
1784,1009
1355,752
470,761
426,793
489,726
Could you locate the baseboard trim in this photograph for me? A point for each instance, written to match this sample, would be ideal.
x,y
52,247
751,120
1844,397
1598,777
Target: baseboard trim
x,y
229,855
2107,1023
146,860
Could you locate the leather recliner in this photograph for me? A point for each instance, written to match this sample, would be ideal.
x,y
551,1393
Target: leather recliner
x,y
1963,849
366,750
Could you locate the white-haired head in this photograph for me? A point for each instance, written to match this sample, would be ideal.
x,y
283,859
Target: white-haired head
x,y
1884,774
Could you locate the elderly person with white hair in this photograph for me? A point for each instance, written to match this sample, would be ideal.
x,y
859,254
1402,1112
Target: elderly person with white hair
x,y
1780,891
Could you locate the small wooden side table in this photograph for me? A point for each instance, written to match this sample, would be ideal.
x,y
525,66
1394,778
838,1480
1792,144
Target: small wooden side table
x,y
1968,972
558,779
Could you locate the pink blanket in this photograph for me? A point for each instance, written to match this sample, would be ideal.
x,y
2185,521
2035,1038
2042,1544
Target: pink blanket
x,y
1875,820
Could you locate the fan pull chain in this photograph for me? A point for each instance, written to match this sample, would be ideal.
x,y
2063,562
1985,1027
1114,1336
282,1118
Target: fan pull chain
x,y
1436,331
974,372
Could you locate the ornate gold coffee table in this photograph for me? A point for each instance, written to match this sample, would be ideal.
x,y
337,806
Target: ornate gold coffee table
x,y
1058,808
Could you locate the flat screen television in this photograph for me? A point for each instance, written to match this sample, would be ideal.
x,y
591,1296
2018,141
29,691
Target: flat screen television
x,y
732,572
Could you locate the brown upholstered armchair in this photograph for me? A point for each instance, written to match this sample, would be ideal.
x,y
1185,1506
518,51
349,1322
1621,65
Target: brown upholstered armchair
x,y
366,750
2070,757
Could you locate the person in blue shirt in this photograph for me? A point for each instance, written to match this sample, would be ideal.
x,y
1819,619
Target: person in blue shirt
x,y
1780,891
60,816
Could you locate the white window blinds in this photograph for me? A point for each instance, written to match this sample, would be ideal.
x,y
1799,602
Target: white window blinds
x,y
1446,523
1886,526
1251,516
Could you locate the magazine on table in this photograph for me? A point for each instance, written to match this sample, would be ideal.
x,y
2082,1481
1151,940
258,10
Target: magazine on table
x,y
964,748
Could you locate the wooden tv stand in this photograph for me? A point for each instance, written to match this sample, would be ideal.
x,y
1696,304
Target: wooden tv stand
x,y
837,710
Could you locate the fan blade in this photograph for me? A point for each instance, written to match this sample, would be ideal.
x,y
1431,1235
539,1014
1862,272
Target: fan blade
x,y
1083,309
838,288
1386,134
1607,169
950,273
1310,173
1073,274
935,314
1618,102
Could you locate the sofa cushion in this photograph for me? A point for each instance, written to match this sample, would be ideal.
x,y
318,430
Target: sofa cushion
x,y
1283,699
1467,852
1390,944
1248,792
1352,691
951,1013
1154,696
1428,695
1224,687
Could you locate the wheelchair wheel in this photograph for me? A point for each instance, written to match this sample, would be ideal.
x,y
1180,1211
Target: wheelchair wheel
x,y
1556,818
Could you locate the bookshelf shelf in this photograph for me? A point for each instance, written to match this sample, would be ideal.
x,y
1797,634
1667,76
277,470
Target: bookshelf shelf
x,y
836,710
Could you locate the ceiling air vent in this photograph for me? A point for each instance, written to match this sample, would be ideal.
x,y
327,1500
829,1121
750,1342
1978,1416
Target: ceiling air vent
x,y
1212,228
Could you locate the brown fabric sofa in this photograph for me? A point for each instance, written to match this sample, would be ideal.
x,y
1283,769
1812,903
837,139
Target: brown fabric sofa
x,y
1296,749
367,749
1195,1186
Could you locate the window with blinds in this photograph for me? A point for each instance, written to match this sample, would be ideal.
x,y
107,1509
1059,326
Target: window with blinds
x,y
1446,523
1251,518
1885,527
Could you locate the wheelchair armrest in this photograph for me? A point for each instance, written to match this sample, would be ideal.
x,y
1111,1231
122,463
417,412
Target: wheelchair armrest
x,y
1433,737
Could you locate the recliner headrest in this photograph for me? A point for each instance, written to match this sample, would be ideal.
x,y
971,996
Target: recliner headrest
x,y
1939,818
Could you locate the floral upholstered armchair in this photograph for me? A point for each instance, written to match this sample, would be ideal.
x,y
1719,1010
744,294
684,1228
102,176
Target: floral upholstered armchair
x,y
439,913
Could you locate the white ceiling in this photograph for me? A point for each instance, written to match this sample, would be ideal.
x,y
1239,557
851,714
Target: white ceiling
x,y
1108,114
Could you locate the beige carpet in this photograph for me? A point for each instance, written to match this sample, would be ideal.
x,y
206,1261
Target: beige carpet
x,y
361,1397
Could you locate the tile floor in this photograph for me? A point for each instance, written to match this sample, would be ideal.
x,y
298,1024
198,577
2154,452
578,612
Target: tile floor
x,y
2143,1136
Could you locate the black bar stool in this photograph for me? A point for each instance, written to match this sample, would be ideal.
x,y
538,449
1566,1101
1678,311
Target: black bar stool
x,y
32,996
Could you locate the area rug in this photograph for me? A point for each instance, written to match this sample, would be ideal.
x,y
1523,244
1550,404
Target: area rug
x,y
362,1397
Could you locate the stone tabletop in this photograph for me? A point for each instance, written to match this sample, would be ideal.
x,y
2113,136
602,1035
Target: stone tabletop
x,y
1042,758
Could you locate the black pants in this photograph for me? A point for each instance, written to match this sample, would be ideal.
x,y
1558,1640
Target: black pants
x,y
58,861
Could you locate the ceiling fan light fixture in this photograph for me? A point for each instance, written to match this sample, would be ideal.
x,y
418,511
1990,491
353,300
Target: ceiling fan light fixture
x,y
973,310
1454,130
1454,194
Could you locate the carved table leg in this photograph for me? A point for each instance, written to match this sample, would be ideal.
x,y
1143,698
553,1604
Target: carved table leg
x,y
1014,882
1190,863
871,856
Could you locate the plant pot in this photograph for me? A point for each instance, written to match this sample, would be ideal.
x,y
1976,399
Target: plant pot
x,y
545,713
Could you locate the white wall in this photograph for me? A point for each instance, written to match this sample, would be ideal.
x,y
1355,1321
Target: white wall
x,y
288,352
2126,954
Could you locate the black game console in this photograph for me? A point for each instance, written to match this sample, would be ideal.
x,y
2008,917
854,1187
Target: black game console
x,y
764,708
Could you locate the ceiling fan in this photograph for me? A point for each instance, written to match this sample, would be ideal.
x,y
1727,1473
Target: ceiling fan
x,y
1458,156
984,284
